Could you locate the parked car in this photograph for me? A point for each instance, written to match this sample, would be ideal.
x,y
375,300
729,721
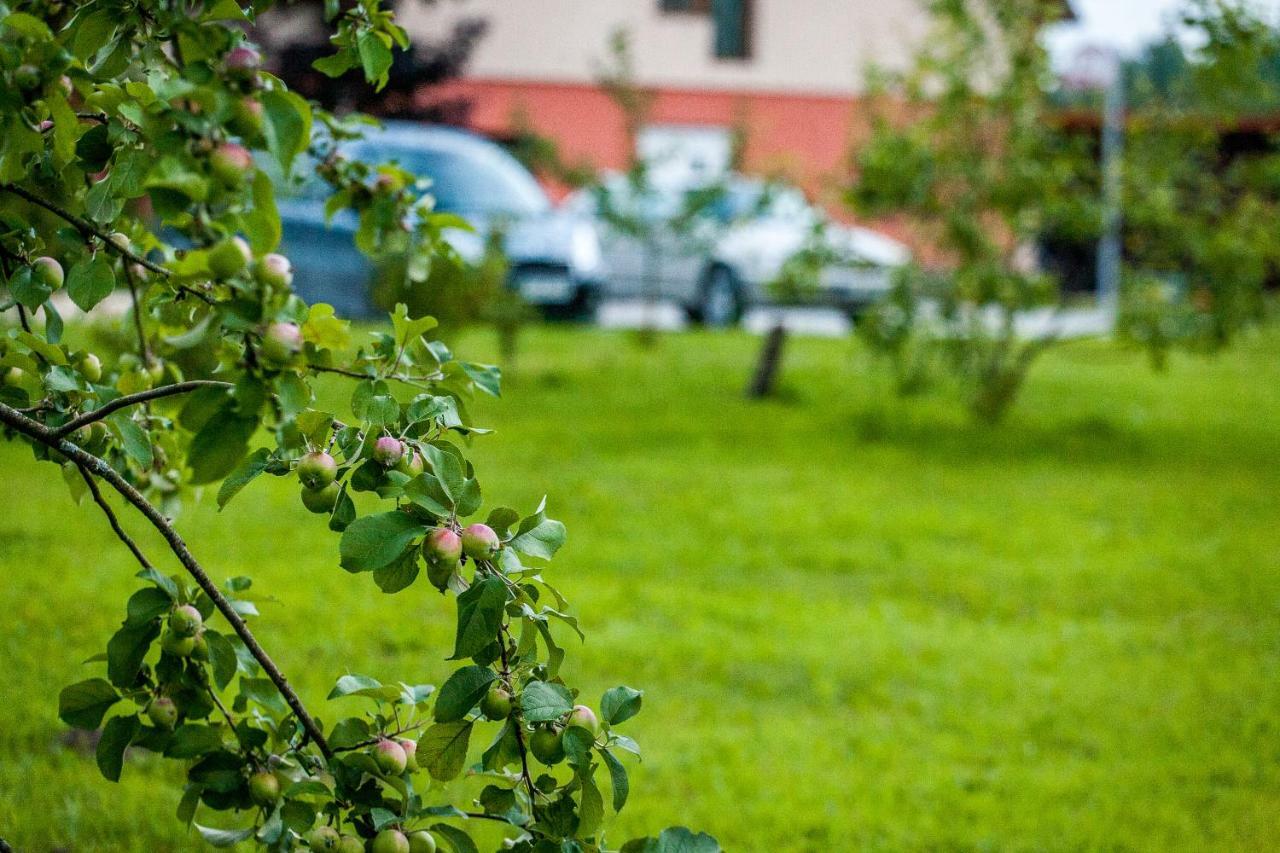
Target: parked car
x,y
555,256
729,255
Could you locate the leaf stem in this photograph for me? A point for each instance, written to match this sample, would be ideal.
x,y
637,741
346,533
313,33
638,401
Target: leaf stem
x,y
133,399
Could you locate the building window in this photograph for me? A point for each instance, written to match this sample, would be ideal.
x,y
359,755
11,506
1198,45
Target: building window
x,y
732,20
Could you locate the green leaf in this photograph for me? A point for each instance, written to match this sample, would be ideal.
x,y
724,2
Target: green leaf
x,y
133,438
220,445
225,10
263,691
620,704
374,541
399,573
222,655
462,691
375,57
479,617
617,778
577,743
146,604
458,840
348,733
591,811
90,281
488,377
224,837
540,539
117,734
542,702
443,749
84,704
680,840
126,650
262,224
190,740
363,685
337,64
286,126
249,468
29,290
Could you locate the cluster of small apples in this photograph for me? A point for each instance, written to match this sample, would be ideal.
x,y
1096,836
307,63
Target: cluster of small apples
x,y
183,638
444,547
389,840
318,471
546,743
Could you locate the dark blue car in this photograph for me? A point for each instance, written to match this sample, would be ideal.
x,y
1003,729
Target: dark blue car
x,y
555,257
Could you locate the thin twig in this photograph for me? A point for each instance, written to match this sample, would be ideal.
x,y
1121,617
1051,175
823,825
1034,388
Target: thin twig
x,y
39,432
111,518
143,346
133,399
374,740
517,723
85,227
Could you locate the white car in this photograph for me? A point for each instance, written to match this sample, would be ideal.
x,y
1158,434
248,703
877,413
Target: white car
x,y
731,254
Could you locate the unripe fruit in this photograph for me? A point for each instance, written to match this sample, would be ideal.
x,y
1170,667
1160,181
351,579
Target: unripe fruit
x,y
422,842
281,344
185,621
323,838
411,463
201,649
387,451
230,162
246,117
275,271
13,377
585,718
243,58
439,574
27,77
229,258
350,844
321,501
176,645
91,367
442,546
390,841
48,272
479,542
264,788
162,713
546,746
410,748
388,184
390,757
496,704
120,240
317,469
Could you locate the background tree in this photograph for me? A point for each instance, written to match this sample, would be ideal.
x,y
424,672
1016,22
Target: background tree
x,y
965,146
128,135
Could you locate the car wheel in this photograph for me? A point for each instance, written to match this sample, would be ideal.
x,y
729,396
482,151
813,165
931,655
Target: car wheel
x,y
721,302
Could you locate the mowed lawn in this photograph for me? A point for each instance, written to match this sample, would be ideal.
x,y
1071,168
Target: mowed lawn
x,y
859,623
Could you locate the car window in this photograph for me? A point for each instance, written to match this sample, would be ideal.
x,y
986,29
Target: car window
x,y
479,180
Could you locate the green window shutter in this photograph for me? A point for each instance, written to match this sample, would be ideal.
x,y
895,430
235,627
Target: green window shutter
x,y
732,28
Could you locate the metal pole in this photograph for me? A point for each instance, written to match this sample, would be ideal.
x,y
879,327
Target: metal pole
x,y
1109,246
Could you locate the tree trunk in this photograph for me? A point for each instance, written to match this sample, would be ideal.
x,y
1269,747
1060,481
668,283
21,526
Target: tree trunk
x,y
767,367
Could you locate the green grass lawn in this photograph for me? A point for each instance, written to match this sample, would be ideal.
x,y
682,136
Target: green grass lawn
x,y
860,623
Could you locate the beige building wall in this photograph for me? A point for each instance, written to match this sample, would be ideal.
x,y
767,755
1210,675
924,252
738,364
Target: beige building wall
x,y
801,46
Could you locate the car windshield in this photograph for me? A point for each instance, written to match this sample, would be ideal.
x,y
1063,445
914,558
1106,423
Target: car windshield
x,y
478,180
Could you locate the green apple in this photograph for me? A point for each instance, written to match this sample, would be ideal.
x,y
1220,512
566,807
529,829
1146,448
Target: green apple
x,y
410,463
350,844
281,344
246,117
162,713
583,717
390,757
317,469
27,77
324,838
48,272
547,746
177,645
275,271
185,621
321,501
410,748
14,377
496,704
91,367
390,841
229,257
422,842
479,542
264,788
230,162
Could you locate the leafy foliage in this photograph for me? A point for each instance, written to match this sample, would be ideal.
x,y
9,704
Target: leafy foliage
x,y
130,150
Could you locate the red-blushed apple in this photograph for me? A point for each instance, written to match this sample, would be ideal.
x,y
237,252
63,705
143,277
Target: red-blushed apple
x,y
442,546
243,58
496,704
281,344
547,745
321,501
229,257
585,718
390,841
410,464
275,271
264,788
479,542
230,162
389,756
410,748
422,842
323,838
185,621
387,451
246,117
317,469
48,272
162,713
